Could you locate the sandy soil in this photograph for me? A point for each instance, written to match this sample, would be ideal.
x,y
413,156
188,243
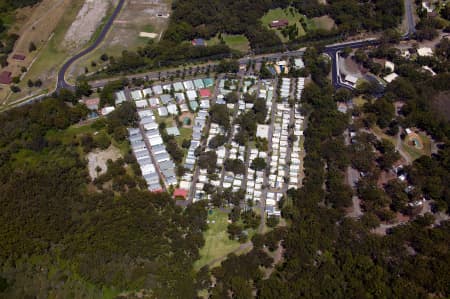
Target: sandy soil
x,y
136,16
87,21
183,116
99,158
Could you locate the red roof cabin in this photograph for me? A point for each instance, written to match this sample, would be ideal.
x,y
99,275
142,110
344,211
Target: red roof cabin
x,y
5,77
180,193
279,23
19,57
92,104
205,93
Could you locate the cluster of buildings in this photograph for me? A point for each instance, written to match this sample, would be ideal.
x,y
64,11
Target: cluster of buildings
x,y
285,160
191,159
156,165
285,88
236,151
142,154
172,98
255,179
282,155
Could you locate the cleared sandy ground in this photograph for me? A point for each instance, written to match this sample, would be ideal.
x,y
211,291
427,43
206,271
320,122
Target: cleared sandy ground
x,y
88,19
99,158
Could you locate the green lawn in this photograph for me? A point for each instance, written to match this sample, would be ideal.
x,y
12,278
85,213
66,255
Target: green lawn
x,y
185,133
71,133
237,42
414,152
291,14
217,243
67,135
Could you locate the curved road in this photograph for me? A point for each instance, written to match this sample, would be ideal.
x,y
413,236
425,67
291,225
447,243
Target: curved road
x,y
62,83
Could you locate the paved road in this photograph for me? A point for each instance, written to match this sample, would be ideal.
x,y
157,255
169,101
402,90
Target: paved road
x,y
203,143
231,134
156,75
62,72
333,51
352,179
409,19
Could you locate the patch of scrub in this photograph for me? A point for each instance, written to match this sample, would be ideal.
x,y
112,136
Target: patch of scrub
x,y
324,22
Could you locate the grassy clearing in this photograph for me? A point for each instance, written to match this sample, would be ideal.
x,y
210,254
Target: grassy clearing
x,y
378,132
167,120
185,133
52,55
290,14
412,151
237,42
426,142
217,243
70,134
415,152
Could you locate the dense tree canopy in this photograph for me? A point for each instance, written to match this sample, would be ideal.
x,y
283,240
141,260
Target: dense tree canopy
x,y
120,237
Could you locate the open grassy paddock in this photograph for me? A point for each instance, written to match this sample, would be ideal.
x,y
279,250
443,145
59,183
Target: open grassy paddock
x,y
237,42
50,54
290,14
38,24
185,133
217,243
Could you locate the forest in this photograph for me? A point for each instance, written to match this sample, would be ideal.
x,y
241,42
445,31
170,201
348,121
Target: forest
x,y
328,255
55,230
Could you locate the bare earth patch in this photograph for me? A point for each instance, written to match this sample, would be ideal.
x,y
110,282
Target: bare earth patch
x,y
136,16
99,158
87,21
